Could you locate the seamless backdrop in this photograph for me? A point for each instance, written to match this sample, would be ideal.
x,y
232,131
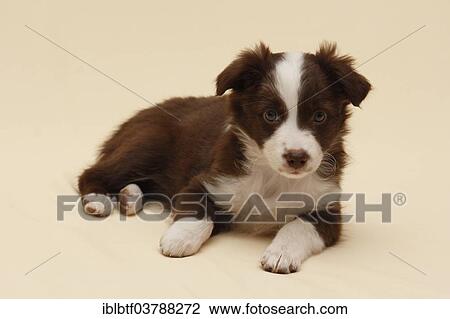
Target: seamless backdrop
x,y
56,110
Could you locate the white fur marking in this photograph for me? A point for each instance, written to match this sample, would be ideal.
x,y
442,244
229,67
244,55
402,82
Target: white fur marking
x,y
94,208
94,204
130,199
288,136
185,237
293,244
288,77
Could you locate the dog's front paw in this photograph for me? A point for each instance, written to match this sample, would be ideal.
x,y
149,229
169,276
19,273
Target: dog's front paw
x,y
184,238
282,259
293,244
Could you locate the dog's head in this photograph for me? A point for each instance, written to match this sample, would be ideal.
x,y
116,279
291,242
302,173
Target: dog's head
x,y
294,105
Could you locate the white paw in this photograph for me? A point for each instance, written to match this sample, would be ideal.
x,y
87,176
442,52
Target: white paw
x,y
294,243
185,237
282,259
130,200
97,205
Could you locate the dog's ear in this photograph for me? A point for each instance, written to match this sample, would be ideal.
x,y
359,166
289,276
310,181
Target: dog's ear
x,y
341,73
246,70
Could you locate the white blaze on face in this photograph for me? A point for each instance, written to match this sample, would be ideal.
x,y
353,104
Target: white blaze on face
x,y
288,135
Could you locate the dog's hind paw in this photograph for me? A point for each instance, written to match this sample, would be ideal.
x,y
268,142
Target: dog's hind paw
x,y
130,200
98,205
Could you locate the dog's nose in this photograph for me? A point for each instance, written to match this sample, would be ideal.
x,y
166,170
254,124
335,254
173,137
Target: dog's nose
x,y
296,158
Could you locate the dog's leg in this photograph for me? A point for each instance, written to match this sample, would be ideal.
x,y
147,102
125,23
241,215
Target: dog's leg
x,y
107,178
130,200
98,205
298,240
185,236
193,212
92,185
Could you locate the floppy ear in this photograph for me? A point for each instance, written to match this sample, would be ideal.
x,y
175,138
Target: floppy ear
x,y
246,70
341,73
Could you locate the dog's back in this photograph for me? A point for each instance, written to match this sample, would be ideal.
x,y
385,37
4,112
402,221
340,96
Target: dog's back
x,y
159,148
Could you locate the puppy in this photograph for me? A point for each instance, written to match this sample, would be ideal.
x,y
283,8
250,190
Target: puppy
x,y
274,144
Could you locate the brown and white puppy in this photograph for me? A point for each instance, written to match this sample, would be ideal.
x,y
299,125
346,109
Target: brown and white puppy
x,y
278,132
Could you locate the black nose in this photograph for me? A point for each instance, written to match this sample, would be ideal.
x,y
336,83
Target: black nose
x,y
296,158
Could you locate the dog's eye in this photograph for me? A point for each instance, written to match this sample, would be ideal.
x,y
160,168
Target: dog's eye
x,y
319,117
271,116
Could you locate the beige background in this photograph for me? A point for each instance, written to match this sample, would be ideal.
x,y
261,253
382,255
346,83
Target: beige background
x,y
55,111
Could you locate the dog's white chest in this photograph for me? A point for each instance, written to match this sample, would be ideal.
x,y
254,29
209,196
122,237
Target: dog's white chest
x,y
269,185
